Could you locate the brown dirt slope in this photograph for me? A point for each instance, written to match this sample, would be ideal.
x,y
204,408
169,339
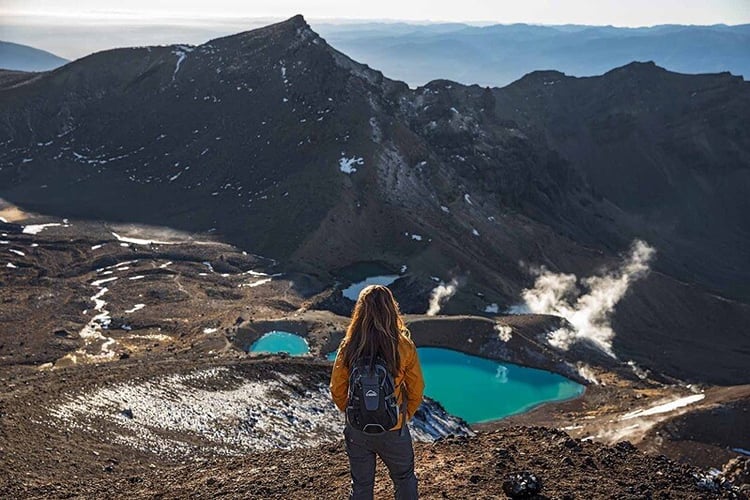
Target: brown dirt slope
x,y
454,468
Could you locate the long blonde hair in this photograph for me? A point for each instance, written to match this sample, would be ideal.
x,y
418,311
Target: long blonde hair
x,y
374,329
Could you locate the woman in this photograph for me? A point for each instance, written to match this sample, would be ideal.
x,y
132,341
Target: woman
x,y
377,329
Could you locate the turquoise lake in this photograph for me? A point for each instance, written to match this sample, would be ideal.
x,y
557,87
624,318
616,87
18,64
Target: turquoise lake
x,y
278,341
478,389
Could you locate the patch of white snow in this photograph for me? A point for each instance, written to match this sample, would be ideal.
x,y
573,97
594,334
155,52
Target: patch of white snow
x,y
665,407
38,228
347,165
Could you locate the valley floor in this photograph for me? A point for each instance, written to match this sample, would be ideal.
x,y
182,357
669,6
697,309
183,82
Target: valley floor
x,y
90,309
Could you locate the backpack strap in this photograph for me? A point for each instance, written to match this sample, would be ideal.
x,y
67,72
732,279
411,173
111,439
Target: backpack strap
x,y
403,408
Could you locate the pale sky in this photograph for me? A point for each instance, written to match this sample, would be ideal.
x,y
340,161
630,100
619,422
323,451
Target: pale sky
x,y
75,28
596,12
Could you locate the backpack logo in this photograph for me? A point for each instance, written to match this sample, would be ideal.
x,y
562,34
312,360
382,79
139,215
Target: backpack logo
x,y
371,393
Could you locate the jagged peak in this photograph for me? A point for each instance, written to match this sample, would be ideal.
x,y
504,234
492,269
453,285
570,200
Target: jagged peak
x,y
295,26
637,67
297,20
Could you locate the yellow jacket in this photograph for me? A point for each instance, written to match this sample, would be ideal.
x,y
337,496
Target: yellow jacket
x,y
410,373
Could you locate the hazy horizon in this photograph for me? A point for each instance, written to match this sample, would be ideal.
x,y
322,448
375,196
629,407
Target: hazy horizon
x,y
81,36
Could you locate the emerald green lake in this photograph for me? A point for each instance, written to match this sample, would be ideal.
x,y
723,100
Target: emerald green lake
x,y
279,341
478,389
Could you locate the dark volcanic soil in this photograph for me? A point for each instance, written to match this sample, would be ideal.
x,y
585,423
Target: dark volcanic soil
x,y
203,302
65,462
453,468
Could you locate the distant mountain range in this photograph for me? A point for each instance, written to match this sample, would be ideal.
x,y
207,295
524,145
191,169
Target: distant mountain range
x,y
494,55
499,54
283,145
14,56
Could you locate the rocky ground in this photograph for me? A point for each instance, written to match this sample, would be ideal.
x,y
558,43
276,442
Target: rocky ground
x,y
123,369
43,455
453,468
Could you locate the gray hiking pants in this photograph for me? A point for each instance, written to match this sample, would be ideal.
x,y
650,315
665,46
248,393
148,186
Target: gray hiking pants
x,y
395,451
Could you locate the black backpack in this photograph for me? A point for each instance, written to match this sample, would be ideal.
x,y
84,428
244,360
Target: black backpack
x,y
373,407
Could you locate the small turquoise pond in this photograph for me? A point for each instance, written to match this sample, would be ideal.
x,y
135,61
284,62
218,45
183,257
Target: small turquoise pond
x,y
479,390
363,274
352,291
279,341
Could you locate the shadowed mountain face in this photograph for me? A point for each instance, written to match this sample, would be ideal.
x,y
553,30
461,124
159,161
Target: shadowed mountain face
x,y
289,149
270,137
672,151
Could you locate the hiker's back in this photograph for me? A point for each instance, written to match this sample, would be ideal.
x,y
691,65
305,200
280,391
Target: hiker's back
x,y
373,405
370,392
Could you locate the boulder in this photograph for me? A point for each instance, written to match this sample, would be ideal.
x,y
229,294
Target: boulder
x,y
523,484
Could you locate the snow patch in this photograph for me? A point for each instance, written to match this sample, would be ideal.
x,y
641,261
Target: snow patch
x,y
181,52
139,241
665,407
256,283
102,281
230,413
38,228
347,165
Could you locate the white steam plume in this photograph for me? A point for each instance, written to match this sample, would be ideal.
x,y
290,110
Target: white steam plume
x,y
440,294
504,332
589,315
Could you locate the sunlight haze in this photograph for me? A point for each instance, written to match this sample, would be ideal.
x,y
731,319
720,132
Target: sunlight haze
x,y
614,12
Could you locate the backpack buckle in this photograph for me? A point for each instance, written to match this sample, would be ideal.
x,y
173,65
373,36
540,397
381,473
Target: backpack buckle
x,y
373,429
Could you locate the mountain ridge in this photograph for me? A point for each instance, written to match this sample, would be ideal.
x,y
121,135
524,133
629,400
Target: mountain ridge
x,y
279,143
500,54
